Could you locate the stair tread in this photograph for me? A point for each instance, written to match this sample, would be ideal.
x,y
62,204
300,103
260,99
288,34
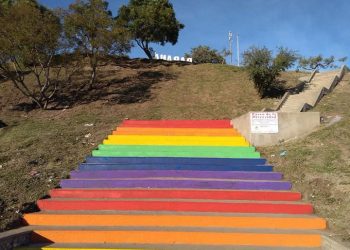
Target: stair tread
x,y
179,229
91,246
215,214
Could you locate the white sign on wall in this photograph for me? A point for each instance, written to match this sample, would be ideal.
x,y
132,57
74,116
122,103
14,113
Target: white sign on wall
x,y
170,58
264,122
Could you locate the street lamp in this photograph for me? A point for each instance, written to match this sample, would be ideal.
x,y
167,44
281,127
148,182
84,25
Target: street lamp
x,y
230,44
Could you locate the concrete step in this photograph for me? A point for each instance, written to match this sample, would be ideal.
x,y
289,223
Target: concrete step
x,y
177,205
175,151
177,160
176,194
173,220
150,247
311,93
178,184
177,123
232,237
179,174
176,140
150,148
176,131
174,166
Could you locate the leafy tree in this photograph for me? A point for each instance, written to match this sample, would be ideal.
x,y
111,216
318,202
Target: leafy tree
x,y
91,30
150,22
204,54
264,69
319,62
34,3
29,40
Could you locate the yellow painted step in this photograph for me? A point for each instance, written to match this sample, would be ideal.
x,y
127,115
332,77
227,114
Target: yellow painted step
x,y
176,140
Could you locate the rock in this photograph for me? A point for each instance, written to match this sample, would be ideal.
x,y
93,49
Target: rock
x,y
87,135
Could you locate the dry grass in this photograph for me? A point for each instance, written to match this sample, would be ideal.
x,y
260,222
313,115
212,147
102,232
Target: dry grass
x,y
319,165
291,78
38,148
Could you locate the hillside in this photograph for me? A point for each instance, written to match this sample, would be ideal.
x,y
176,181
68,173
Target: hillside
x,y
319,165
40,147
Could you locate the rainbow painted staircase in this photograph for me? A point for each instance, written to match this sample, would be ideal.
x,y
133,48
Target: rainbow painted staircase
x,y
175,185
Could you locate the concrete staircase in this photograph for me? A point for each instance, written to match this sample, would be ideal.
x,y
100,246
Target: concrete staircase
x,y
318,86
175,185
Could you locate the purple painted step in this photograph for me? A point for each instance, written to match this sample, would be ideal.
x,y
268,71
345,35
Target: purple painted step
x,y
111,174
171,166
196,184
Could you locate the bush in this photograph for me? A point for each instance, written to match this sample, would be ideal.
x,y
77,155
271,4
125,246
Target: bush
x,y
264,69
204,54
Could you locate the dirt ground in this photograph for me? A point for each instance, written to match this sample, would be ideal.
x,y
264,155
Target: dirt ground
x,y
38,148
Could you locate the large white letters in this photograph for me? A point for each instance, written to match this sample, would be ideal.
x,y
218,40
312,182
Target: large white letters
x,y
170,58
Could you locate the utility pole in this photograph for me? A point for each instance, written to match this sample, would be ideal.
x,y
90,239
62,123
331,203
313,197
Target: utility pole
x,y
237,50
230,44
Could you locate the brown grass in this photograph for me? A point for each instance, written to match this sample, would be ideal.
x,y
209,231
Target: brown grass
x,y
38,148
319,164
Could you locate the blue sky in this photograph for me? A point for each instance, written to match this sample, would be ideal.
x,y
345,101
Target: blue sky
x,y
310,27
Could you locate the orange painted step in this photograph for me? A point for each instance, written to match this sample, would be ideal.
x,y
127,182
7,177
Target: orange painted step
x,y
177,123
176,238
179,206
176,131
175,194
161,220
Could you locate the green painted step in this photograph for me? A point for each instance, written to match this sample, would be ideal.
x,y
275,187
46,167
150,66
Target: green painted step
x,y
176,151
147,148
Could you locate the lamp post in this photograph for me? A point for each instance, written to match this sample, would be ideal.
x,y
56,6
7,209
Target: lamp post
x,y
238,50
230,44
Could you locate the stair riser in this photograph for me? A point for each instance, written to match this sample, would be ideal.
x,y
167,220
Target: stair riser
x,y
173,238
178,160
108,153
174,221
175,174
173,132
96,205
151,148
162,167
175,194
165,140
195,184
177,124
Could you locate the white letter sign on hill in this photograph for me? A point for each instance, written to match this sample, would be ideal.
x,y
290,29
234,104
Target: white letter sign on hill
x,y
169,58
264,122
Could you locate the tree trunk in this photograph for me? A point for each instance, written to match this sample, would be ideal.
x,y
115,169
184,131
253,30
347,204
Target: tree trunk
x,y
93,64
92,77
144,46
148,53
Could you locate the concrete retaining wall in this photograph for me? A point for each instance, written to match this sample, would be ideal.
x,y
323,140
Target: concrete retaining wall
x,y
15,238
290,125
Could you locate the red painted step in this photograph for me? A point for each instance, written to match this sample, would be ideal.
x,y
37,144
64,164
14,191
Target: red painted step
x,y
178,206
177,123
175,194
